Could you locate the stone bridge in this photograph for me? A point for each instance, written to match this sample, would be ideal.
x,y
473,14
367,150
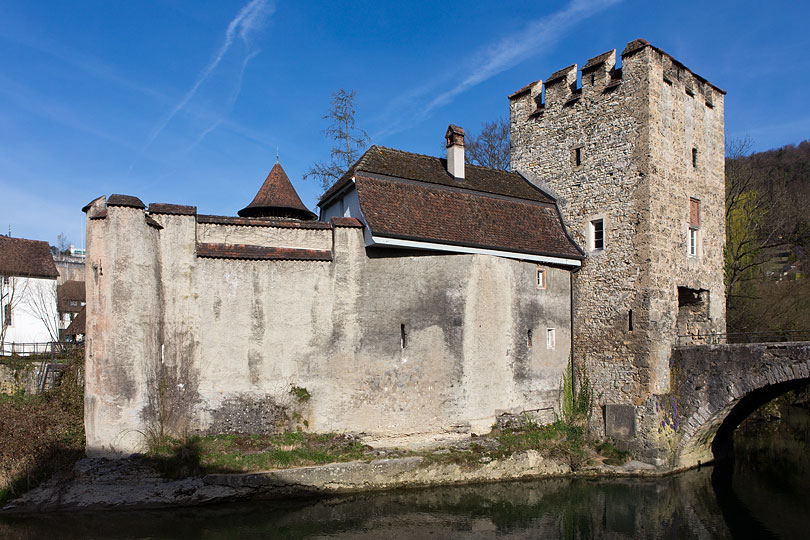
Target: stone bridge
x,y
714,388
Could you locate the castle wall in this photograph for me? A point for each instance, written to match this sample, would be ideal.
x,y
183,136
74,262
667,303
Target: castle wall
x,y
389,343
633,135
307,238
123,326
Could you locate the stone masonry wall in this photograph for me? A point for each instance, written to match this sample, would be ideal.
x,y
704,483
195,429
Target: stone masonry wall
x,y
390,343
635,138
123,325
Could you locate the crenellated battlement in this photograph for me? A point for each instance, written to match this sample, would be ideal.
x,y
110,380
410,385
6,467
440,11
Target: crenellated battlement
x,y
630,143
600,77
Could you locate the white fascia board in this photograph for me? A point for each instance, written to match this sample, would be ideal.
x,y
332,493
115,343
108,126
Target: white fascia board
x,y
414,244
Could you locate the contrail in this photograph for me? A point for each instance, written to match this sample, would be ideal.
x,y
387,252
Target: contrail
x,y
230,103
536,36
246,21
534,39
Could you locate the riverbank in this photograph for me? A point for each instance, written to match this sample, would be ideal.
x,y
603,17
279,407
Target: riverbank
x,y
40,433
136,483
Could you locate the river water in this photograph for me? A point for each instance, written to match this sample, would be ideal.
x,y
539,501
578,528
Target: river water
x,y
764,493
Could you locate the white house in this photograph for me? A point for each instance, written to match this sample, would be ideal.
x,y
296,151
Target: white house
x,y
27,293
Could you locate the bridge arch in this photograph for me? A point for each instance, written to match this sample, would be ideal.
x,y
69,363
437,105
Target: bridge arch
x,y
718,386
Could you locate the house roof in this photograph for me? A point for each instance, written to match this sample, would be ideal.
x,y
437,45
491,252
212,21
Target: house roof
x,y
67,292
413,197
26,258
257,253
277,198
433,170
77,326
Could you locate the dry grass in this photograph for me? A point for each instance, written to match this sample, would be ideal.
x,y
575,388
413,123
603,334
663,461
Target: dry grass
x,y
43,434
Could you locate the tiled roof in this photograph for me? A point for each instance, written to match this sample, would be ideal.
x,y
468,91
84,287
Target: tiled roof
x,y
262,222
242,251
418,211
524,90
67,292
26,258
346,222
125,200
173,209
413,197
560,74
277,198
433,170
78,324
597,60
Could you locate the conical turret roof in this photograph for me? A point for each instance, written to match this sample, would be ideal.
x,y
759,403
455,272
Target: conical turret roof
x,y
277,198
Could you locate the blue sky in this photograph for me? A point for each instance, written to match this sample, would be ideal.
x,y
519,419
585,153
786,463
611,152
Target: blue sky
x,y
188,101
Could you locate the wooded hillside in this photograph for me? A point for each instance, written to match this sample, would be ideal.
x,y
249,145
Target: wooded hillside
x,y
767,237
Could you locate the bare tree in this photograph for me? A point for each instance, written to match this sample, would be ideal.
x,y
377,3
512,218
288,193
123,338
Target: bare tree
x,y
490,148
12,291
39,301
349,140
62,243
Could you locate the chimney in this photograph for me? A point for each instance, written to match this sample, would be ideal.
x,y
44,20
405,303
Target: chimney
x,y
455,151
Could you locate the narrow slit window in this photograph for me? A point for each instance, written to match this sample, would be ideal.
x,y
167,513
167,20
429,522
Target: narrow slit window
x,y
578,156
694,227
630,320
693,242
694,157
403,336
541,278
550,341
529,338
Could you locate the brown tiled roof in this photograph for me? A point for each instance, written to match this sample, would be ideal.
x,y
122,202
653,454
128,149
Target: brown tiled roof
x,y
560,74
77,326
262,222
418,211
433,170
277,198
87,206
597,60
242,251
67,291
173,209
125,200
523,90
26,258
152,223
346,222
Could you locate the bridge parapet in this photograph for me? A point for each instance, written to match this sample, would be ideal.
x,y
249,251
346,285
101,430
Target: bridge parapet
x,y
767,336
712,389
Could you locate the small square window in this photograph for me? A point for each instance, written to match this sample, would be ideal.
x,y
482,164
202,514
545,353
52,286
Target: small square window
x,y
550,341
541,278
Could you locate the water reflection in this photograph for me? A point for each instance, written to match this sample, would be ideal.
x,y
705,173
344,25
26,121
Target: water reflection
x,y
762,495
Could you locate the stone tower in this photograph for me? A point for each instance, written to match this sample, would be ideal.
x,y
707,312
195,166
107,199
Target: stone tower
x,y
635,155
